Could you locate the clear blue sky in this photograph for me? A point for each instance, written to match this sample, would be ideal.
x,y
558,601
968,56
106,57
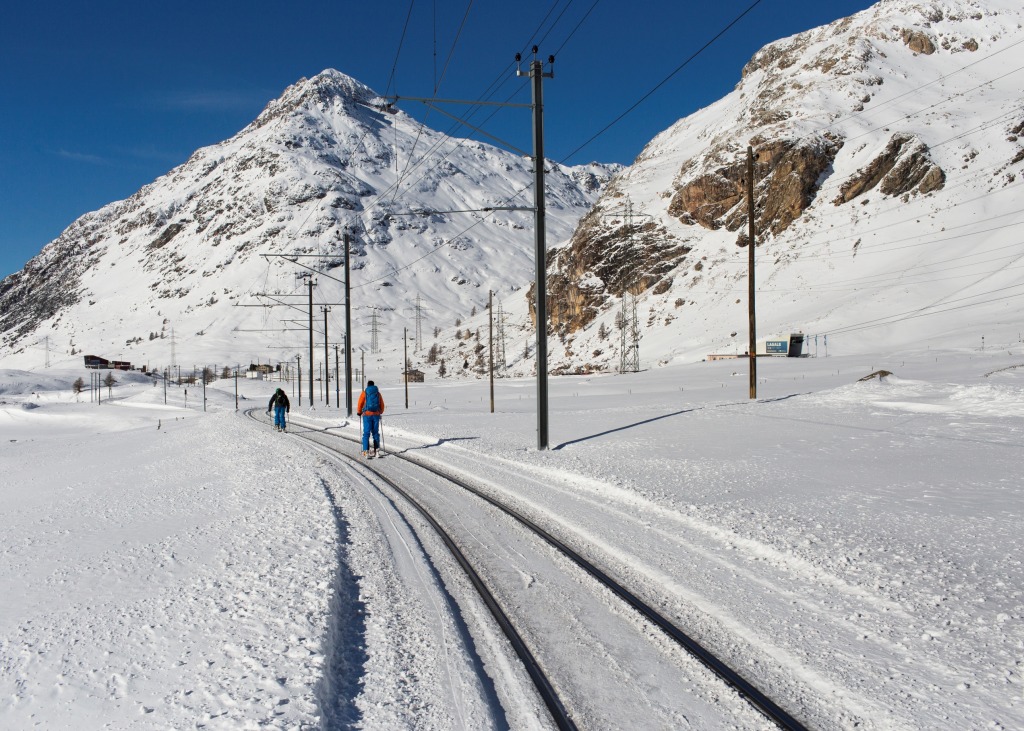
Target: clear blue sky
x,y
99,98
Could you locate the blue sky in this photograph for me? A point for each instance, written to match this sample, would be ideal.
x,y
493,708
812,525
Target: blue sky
x,y
100,98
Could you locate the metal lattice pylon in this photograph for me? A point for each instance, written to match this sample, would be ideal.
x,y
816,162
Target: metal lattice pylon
x,y
419,325
629,335
499,351
627,320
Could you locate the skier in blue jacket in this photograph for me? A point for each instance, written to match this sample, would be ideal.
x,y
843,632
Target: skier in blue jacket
x,y
279,403
370,408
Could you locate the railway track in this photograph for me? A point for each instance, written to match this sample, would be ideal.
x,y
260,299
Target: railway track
x,y
547,690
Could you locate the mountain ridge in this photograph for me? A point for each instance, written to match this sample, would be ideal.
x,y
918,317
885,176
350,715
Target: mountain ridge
x,y
883,141
312,165
851,123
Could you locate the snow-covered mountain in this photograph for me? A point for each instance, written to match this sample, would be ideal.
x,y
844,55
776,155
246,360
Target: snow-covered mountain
x,y
889,150
187,254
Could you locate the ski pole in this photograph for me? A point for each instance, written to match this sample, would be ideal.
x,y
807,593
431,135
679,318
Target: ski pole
x,y
382,432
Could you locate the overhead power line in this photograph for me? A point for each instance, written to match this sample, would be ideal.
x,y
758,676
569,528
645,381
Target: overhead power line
x,y
664,81
920,312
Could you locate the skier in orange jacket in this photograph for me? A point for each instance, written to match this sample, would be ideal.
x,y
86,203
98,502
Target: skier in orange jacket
x,y
370,408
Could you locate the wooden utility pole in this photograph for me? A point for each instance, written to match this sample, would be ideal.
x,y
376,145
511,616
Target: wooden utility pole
x,y
405,363
310,283
490,342
348,333
751,245
537,75
327,363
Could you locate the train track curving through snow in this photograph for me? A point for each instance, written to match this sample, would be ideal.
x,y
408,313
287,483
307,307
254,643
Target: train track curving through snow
x,y
534,667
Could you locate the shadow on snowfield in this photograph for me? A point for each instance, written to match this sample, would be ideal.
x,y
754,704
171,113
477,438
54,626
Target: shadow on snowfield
x,y
623,428
438,443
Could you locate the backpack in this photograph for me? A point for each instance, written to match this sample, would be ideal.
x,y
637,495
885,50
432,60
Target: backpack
x,y
372,400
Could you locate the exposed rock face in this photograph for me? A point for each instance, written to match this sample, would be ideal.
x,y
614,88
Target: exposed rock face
x,y
903,167
710,196
918,42
602,261
50,281
813,107
787,175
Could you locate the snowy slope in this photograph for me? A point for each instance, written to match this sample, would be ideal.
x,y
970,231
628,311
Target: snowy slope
x,y
889,160
889,154
852,547
325,157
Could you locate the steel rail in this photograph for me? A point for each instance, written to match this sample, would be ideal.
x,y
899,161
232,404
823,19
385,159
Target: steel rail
x,y
545,689
744,687
721,669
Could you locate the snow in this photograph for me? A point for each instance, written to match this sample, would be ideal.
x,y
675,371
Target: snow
x,y
879,272
853,547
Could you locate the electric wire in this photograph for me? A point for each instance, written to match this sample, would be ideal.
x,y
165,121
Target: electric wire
x,y
916,89
488,94
661,83
931,107
885,248
573,32
554,24
397,271
398,52
834,237
422,126
836,185
451,52
500,80
920,312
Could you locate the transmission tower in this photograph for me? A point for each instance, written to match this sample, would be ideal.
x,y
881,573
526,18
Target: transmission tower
x,y
499,351
374,330
630,334
628,320
173,361
629,337
419,325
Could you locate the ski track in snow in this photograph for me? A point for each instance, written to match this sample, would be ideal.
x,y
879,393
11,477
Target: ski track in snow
x,y
852,547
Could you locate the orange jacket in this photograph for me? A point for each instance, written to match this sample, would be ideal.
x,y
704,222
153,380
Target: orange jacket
x,y
362,403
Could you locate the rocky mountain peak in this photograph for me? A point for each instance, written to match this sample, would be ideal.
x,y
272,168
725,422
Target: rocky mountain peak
x,y
320,93
323,161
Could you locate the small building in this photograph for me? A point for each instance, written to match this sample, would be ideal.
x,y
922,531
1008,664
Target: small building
x,y
414,376
791,346
96,362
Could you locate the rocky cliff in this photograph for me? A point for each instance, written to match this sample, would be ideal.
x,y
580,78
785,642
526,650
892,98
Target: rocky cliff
x,y
879,112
